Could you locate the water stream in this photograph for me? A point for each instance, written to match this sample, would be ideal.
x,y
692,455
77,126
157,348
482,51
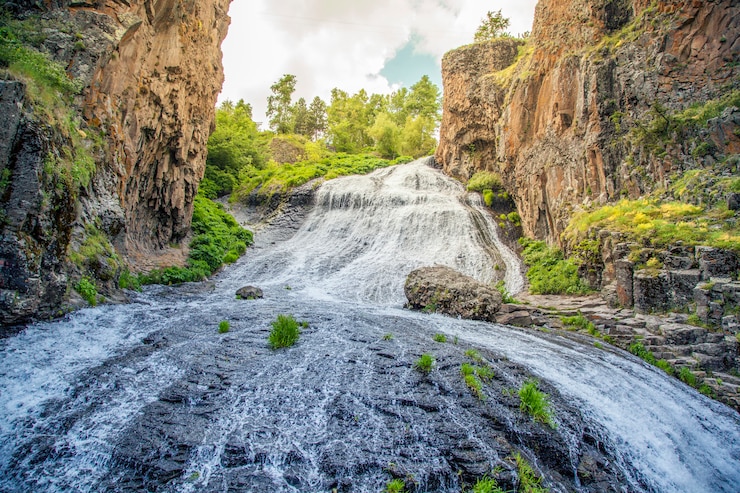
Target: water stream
x,y
149,396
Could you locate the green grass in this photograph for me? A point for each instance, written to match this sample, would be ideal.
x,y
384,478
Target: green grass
x,y
475,386
86,288
388,337
474,355
529,481
224,326
484,180
536,403
687,377
284,333
650,221
395,486
506,297
549,272
440,338
218,239
425,363
486,485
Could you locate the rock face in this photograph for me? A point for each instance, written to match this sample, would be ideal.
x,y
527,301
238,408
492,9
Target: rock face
x,y
556,122
444,290
150,72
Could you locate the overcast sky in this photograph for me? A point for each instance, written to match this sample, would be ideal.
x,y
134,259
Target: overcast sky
x,y
378,45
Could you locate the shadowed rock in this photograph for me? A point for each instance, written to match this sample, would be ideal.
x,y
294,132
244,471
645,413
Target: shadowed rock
x,y
249,293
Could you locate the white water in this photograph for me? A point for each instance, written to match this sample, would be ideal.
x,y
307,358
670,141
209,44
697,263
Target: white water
x,y
72,389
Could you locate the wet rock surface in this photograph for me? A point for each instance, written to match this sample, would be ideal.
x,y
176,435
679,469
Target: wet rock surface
x,y
444,290
249,293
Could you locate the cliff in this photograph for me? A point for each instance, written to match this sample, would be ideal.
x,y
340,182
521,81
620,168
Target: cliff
x,y
100,166
563,116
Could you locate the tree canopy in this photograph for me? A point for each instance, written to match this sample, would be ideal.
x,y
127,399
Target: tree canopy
x,y
494,25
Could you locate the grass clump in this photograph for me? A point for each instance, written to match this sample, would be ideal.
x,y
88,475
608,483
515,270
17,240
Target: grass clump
x,y
486,485
641,352
474,355
506,297
687,376
484,180
425,363
395,486
475,386
536,403
388,337
529,481
224,326
127,280
284,333
549,272
440,338
86,288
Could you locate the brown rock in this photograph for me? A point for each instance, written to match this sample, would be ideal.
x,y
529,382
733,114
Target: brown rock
x,y
444,290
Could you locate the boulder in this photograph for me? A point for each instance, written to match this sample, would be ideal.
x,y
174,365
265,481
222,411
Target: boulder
x,y
444,290
650,291
716,262
249,293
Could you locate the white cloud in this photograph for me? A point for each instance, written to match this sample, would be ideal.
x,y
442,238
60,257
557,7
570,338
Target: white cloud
x,y
336,43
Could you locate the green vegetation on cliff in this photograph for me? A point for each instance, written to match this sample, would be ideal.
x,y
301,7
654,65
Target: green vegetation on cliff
x,y
549,272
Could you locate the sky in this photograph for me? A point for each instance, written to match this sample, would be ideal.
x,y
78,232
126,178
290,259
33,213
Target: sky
x,y
378,45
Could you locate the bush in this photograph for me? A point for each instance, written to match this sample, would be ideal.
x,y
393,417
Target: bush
x,y
284,333
129,281
549,272
484,180
425,363
224,326
506,297
88,291
687,376
536,403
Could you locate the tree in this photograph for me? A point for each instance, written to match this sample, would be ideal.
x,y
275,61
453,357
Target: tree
x,y
494,25
317,117
386,134
279,104
301,118
349,118
424,100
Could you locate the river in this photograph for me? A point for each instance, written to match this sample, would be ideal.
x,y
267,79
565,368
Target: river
x,y
148,396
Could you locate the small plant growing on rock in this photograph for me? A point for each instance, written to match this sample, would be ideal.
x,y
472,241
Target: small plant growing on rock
x,y
223,326
474,355
686,376
284,333
536,403
506,297
87,290
475,386
388,337
440,338
486,485
395,486
529,481
425,363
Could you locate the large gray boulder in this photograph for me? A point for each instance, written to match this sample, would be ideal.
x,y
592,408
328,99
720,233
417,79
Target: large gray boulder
x,y
444,290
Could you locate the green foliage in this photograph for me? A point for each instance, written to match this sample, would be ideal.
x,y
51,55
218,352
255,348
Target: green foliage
x,y
659,223
486,485
284,333
475,386
440,338
88,291
223,326
506,297
493,26
706,390
665,366
425,363
640,351
218,239
395,486
535,403
529,481
129,281
474,355
484,180
549,272
687,376
488,197
467,369
388,337
279,104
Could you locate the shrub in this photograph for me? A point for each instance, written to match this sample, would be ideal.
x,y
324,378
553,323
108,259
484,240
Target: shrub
x,y
224,326
506,297
535,403
549,272
440,338
484,180
129,281
640,351
88,291
284,333
425,363
665,366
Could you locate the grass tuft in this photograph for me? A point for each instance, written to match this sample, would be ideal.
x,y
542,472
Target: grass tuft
x,y
224,326
425,363
536,403
284,333
440,338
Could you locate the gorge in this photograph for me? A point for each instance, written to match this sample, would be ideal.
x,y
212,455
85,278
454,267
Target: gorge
x,y
100,163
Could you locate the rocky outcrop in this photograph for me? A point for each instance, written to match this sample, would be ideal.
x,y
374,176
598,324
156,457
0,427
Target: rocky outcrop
x,y
442,289
150,72
556,122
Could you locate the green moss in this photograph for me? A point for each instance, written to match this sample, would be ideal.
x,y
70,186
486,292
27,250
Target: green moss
x,y
484,180
549,272
224,326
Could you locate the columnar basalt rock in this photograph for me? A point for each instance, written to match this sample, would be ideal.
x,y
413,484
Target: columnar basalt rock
x,y
555,124
151,72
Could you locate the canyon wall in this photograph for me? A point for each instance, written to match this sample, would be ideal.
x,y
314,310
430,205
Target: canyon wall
x,y
556,115
106,178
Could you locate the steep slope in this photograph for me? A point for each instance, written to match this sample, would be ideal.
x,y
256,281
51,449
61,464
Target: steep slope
x,y
104,172
561,123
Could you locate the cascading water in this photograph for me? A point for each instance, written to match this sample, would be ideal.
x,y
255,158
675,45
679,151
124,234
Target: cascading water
x,y
148,396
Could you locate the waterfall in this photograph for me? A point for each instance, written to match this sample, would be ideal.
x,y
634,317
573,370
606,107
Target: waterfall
x,y
149,396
